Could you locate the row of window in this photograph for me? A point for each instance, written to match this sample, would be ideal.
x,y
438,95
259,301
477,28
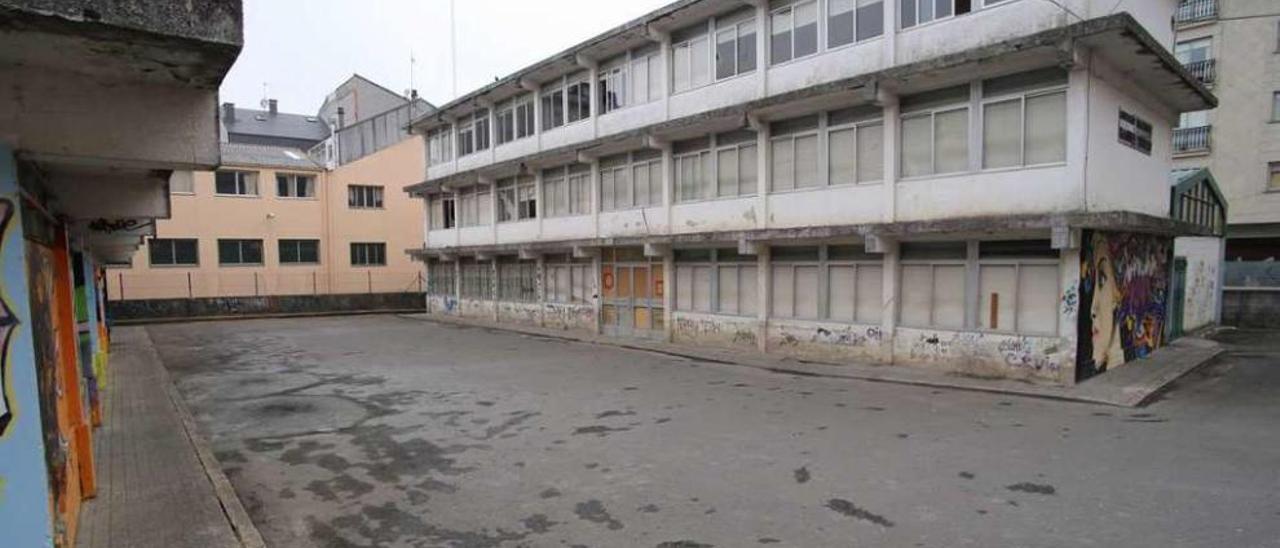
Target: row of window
x,y
1017,284
1022,117
243,252
717,49
245,183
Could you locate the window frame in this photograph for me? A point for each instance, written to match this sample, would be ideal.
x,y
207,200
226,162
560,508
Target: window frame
x,y
827,16
576,191
932,113
704,162
855,126
173,252
1017,263
737,29
240,250
370,197
614,77
291,182
360,256
522,191
297,251
575,270
791,31
1022,97
933,265
974,6
470,202
438,283
710,63
243,178
1137,122
792,137
440,145
737,148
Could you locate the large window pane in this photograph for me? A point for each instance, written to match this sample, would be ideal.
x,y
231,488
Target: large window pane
x,y
747,168
746,48
870,18
747,290
807,173
1002,134
951,141
870,153
916,146
700,62
806,37
727,172
783,165
783,291
726,53
870,294
839,22
916,291
680,68
948,296
780,42
841,289
656,183
702,288
997,287
1038,299
1047,128
727,302
841,156
806,298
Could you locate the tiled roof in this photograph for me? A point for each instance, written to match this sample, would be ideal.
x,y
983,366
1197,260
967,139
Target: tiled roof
x,y
239,154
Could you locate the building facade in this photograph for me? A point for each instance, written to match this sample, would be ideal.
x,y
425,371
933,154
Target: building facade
x,y
274,219
980,187
1234,47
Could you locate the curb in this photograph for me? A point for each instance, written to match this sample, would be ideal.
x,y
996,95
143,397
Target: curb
x,y
246,532
880,374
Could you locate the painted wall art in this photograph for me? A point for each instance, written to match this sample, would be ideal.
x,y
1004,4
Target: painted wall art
x,y
8,323
1124,290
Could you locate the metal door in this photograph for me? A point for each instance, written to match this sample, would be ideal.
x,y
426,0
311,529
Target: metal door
x,y
631,294
1177,297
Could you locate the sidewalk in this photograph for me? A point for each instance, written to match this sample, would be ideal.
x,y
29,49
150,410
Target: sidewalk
x,y
1133,385
158,483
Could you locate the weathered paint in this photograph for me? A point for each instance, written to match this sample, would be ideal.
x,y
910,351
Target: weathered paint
x,y
569,317
735,332
148,309
827,341
25,515
1204,272
983,354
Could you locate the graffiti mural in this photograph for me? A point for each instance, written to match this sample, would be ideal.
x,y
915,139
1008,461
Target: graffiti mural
x,y
8,322
1124,288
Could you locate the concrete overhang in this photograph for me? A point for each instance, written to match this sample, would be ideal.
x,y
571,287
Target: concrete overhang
x,y
1154,69
935,230
103,99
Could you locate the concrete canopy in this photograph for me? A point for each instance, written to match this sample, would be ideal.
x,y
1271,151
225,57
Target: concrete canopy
x,y
103,100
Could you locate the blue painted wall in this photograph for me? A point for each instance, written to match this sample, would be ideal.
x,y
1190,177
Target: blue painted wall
x,y
24,481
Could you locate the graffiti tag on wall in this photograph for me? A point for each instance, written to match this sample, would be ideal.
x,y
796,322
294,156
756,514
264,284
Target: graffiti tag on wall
x,y
8,324
1124,288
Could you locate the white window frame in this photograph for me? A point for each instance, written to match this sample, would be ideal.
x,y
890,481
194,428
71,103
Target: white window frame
x,y
360,255
547,98
581,282
466,137
704,163
737,31
818,31
826,44
614,79
471,209
576,189
366,197
933,113
525,112
816,133
1022,98
1017,263
974,6
505,118
736,148
793,265
245,180
291,183
522,192
653,79
856,127
825,281
440,145
690,46
585,107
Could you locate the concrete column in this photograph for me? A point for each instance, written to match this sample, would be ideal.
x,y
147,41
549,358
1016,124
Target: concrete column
x,y
764,179
664,52
542,289
596,265
1070,308
889,281
764,296
457,287
495,281
668,297
892,131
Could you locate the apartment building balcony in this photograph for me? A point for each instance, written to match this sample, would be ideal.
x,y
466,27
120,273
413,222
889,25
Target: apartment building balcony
x,y
1205,70
1195,11
1192,140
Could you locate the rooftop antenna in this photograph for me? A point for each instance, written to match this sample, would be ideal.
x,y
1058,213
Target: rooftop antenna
x,y
411,88
265,95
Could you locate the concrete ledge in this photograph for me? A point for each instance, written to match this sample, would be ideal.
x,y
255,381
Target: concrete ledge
x,y
1133,385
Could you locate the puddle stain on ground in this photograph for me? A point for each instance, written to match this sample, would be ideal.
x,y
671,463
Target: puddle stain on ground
x,y
1035,488
594,511
847,508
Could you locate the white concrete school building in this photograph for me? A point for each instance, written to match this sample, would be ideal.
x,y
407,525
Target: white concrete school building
x,y
980,186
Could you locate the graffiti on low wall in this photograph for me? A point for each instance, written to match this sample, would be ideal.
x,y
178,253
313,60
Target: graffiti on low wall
x,y
1124,288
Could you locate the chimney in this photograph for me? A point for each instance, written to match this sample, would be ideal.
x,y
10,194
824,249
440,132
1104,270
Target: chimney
x,y
228,112
342,117
271,106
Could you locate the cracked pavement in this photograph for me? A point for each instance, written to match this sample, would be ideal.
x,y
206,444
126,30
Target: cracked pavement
x,y
387,431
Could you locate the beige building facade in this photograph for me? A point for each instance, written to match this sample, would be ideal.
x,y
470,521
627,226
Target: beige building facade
x,y
1234,47
271,221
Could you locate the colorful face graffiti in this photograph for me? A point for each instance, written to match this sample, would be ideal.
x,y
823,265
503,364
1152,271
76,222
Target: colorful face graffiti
x,y
1124,281
8,323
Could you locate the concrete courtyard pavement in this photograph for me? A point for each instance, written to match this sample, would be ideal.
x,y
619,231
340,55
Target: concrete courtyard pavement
x,y
385,431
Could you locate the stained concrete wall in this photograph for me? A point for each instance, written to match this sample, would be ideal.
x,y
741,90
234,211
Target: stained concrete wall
x,y
1204,280
175,309
1251,307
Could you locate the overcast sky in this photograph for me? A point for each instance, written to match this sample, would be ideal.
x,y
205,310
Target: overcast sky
x,y
302,49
